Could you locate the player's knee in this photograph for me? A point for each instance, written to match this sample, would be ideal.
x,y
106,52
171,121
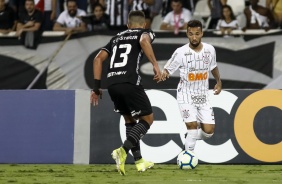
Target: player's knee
x,y
208,128
148,118
209,131
191,125
206,135
129,119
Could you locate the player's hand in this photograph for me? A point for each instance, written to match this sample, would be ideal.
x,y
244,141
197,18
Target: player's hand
x,y
217,89
157,76
165,75
94,97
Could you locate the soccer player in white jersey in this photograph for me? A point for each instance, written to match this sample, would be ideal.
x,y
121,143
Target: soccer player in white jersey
x,y
194,61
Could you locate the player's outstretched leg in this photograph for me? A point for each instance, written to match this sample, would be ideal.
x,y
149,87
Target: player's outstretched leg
x,y
142,165
119,155
136,133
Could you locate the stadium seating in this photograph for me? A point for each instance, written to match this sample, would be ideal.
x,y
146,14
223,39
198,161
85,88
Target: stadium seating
x,y
202,9
237,6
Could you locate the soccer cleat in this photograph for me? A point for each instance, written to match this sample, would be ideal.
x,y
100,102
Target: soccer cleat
x,y
142,165
119,155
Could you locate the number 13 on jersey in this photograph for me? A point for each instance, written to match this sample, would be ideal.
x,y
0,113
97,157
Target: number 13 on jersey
x,y
123,55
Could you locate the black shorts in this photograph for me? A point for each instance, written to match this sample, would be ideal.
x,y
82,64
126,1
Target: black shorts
x,y
130,99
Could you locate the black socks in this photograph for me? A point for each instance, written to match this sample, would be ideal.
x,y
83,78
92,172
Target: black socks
x,y
134,134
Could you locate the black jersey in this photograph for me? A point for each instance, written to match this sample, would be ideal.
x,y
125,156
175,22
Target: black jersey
x,y
7,18
125,56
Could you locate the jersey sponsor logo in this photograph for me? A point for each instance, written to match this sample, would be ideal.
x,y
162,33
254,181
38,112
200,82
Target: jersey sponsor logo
x,y
197,76
199,99
125,38
192,69
111,74
128,37
187,53
133,113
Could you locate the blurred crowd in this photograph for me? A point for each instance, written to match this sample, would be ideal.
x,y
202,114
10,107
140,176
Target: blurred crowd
x,y
74,16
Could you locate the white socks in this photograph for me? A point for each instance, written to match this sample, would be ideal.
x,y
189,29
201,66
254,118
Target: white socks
x,y
203,135
193,135
191,139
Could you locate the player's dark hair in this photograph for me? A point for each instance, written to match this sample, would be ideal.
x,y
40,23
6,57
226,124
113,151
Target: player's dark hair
x,y
136,13
194,23
136,17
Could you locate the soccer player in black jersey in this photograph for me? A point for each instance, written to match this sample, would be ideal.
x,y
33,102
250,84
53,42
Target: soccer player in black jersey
x,y
124,85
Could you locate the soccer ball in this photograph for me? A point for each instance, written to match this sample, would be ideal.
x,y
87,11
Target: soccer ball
x,y
187,160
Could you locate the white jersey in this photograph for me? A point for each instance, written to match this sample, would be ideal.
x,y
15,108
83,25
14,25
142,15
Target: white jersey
x,y
71,22
194,70
183,18
223,24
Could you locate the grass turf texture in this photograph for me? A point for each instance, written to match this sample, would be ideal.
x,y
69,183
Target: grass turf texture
x,y
161,173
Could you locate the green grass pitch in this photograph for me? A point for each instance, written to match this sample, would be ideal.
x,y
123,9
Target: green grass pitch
x,y
160,174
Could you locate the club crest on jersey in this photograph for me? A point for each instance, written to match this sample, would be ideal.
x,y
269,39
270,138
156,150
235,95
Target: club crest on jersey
x,y
206,58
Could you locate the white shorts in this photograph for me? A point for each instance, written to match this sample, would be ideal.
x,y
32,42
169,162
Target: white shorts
x,y
192,113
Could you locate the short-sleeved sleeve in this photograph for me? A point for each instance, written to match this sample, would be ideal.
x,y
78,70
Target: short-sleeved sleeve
x,y
38,17
108,47
167,18
150,33
81,12
218,26
173,63
61,18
